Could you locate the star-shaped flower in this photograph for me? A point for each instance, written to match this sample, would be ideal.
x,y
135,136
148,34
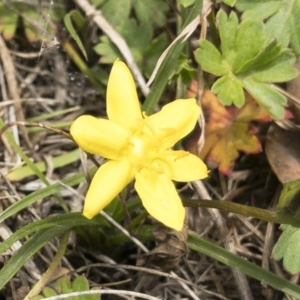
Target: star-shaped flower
x,y
138,146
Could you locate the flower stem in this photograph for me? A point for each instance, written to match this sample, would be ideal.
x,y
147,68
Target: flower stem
x,y
280,216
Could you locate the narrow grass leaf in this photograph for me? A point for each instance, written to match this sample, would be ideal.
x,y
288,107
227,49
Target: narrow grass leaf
x,y
205,247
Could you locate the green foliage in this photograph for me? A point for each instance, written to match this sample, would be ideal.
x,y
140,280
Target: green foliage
x,y
167,67
251,56
289,196
65,286
72,18
248,59
224,256
184,70
287,248
186,3
282,19
138,33
152,12
35,25
43,231
230,2
8,21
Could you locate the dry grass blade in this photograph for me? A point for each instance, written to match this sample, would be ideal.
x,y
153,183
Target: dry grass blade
x,y
10,74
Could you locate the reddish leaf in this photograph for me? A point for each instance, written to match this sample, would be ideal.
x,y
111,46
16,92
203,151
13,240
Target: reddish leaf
x,y
228,131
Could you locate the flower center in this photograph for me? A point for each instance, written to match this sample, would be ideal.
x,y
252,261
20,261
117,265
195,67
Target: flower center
x,y
141,150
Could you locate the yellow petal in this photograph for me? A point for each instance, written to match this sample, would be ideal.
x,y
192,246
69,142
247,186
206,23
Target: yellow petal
x,y
100,136
123,105
183,166
175,121
107,183
160,198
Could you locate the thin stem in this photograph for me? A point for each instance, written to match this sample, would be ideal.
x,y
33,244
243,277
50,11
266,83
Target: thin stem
x,y
262,214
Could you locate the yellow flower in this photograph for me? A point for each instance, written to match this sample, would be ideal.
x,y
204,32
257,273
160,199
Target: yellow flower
x,y
138,146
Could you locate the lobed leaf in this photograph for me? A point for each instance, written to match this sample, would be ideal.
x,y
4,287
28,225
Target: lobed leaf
x,y
287,248
290,191
186,3
152,12
259,9
249,60
66,286
229,90
230,2
265,56
283,19
227,29
210,59
247,44
268,98
116,14
49,292
228,131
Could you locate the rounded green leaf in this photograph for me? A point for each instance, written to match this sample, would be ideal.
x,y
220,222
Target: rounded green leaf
x,y
268,98
287,248
210,58
229,91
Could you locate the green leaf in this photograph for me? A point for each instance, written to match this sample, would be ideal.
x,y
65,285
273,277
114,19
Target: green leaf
x,y
66,286
268,98
283,19
137,36
97,3
152,53
80,283
58,161
230,2
151,12
249,60
234,261
26,159
35,25
116,14
186,3
49,222
227,29
75,17
210,59
288,248
167,66
21,256
229,90
49,292
8,21
276,74
184,70
107,50
40,194
265,56
37,298
248,42
290,192
57,225
139,40
258,9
